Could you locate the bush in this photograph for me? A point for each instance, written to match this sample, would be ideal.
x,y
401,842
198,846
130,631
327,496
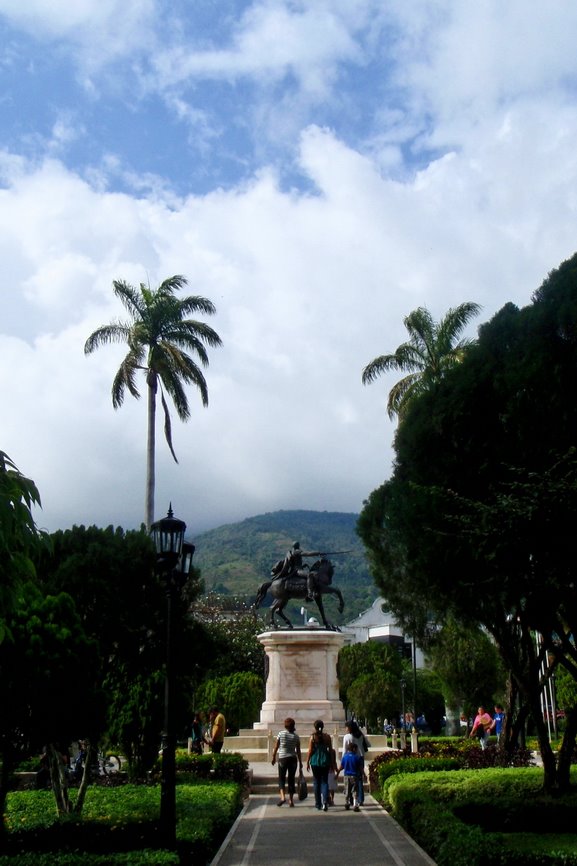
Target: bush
x,y
146,857
123,820
454,816
416,764
224,766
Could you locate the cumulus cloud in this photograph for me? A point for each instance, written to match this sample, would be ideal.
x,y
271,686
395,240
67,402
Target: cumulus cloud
x,y
445,183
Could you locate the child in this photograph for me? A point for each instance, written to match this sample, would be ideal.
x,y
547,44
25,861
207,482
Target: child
x,y
352,767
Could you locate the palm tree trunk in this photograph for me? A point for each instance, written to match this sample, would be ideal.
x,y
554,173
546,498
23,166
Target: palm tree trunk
x,y
151,381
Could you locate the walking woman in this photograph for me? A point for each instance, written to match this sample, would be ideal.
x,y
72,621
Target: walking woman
x,y
288,749
319,761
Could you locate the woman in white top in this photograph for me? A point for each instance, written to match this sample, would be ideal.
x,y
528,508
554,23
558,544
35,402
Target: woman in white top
x,y
288,749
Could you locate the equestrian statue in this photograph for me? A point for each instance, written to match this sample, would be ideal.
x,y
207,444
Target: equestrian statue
x,y
291,578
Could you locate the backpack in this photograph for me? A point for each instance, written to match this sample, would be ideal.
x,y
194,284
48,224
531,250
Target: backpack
x,y
321,755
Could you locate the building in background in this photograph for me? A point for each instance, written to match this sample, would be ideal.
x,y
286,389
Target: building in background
x,y
378,624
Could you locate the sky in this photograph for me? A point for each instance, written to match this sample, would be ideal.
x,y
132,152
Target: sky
x,y
316,168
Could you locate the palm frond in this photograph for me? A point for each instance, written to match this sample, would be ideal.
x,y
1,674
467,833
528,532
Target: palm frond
x,y
431,350
402,393
130,297
167,425
115,332
197,304
126,378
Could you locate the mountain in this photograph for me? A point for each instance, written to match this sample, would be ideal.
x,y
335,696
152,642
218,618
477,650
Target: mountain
x,y
235,559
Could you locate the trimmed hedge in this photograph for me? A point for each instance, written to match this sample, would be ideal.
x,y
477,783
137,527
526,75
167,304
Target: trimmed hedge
x,y
464,751
224,766
122,820
460,818
417,765
147,857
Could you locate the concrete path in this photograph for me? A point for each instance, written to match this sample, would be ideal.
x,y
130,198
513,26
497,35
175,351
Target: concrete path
x,y
266,835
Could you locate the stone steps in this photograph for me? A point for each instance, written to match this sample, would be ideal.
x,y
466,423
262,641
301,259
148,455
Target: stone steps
x,y
257,746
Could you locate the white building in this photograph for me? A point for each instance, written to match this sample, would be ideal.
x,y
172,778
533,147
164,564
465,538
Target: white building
x,y
378,624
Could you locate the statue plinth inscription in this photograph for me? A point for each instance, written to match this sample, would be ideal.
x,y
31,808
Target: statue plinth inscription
x,y
302,679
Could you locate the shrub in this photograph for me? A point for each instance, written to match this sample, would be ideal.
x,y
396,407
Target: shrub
x,y
224,766
432,806
416,764
123,820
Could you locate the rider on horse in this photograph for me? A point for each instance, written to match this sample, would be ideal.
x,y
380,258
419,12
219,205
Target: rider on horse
x,y
292,566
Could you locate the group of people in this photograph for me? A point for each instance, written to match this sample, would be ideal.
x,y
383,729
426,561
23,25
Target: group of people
x,y
484,724
321,761
213,737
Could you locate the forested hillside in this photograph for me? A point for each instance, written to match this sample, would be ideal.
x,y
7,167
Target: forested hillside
x,y
235,559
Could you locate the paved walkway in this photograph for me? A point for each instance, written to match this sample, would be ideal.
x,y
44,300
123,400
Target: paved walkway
x,y
266,835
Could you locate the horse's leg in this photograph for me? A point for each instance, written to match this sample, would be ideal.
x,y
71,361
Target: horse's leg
x,y
280,611
321,608
332,590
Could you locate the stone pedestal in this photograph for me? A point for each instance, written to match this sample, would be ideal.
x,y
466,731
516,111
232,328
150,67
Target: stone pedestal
x,y
302,679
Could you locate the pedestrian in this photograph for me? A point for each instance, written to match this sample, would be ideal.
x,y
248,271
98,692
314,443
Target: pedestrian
x,y
217,729
197,737
481,726
352,768
319,761
356,736
288,750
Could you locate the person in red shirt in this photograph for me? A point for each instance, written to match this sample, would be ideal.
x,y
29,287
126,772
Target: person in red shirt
x,y
481,726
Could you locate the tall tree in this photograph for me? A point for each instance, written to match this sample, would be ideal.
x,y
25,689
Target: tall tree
x,y
433,348
159,337
478,519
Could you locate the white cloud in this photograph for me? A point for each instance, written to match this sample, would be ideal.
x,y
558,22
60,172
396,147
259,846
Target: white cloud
x,y
309,286
100,28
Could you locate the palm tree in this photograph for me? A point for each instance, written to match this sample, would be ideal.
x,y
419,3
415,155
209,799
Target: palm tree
x,y
431,350
158,337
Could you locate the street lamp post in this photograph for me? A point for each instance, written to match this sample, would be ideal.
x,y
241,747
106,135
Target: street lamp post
x,y
403,686
173,564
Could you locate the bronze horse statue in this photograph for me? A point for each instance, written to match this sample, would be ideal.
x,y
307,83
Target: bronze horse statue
x,y
283,589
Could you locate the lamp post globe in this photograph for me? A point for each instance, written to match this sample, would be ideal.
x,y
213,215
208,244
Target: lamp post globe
x,y
168,537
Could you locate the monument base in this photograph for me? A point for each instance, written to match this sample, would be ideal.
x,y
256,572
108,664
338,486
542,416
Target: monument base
x,y
302,679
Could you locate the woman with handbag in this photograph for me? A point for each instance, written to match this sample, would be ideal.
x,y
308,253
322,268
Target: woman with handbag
x,y
319,761
288,750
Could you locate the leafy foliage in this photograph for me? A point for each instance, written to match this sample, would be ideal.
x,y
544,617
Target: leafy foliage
x,y
20,538
431,351
467,664
432,806
239,696
369,676
478,519
117,819
122,607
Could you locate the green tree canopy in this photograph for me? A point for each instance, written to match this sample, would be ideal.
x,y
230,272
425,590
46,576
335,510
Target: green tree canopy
x,y
239,696
122,606
20,538
467,665
478,518
369,679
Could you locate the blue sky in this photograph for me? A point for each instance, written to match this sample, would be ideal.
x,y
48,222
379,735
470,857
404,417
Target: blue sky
x,y
318,170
